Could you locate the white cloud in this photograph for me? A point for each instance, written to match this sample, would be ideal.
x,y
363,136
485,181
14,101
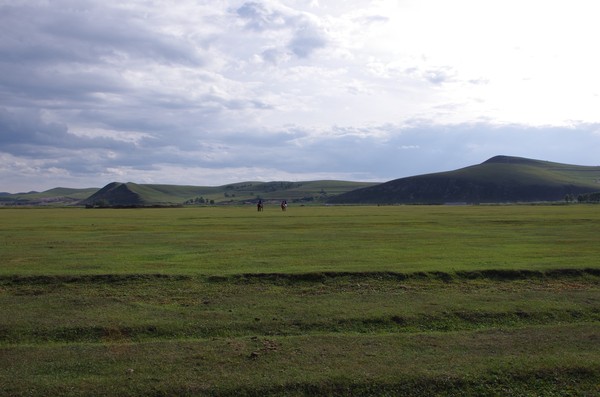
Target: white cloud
x,y
292,88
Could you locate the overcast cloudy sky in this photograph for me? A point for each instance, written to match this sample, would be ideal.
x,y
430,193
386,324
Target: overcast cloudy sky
x,y
207,92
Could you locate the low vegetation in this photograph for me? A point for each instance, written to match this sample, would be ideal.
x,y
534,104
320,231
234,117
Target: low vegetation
x,y
340,301
587,198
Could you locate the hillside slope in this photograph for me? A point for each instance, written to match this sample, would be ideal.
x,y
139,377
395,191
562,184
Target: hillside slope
x,y
57,197
499,179
133,194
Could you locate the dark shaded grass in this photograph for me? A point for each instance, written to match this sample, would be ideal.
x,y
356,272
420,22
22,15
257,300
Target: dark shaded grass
x,y
158,307
535,361
561,382
492,274
448,322
310,277
90,279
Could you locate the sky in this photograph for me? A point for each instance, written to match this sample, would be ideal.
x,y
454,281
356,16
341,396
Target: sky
x,y
207,92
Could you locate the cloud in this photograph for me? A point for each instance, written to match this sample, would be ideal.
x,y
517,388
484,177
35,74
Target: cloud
x,y
26,132
274,56
373,19
307,40
303,30
88,32
213,92
259,17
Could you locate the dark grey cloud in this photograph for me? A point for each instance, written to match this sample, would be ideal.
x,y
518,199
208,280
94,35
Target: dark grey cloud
x,y
56,87
394,152
86,32
306,35
273,55
307,40
260,17
65,53
27,127
24,132
71,58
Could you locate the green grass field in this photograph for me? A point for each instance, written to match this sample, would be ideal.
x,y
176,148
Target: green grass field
x,y
340,301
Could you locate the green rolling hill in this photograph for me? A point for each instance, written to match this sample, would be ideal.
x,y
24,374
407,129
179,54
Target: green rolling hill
x,y
143,195
501,179
56,196
498,180
132,194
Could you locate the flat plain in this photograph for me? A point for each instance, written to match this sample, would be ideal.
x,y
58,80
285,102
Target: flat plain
x,y
317,300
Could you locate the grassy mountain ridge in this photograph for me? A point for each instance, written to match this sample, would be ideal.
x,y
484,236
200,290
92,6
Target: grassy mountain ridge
x,y
132,194
499,179
55,196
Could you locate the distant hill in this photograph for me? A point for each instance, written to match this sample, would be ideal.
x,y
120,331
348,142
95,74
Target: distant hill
x,y
501,179
497,180
139,195
56,196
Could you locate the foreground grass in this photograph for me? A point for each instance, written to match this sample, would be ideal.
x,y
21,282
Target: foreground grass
x,y
157,308
352,334
521,361
317,301
339,335
237,240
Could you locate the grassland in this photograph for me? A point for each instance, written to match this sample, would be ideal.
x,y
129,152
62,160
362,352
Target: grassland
x,y
408,300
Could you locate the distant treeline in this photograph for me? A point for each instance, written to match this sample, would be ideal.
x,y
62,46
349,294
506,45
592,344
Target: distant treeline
x,y
589,198
584,198
198,200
